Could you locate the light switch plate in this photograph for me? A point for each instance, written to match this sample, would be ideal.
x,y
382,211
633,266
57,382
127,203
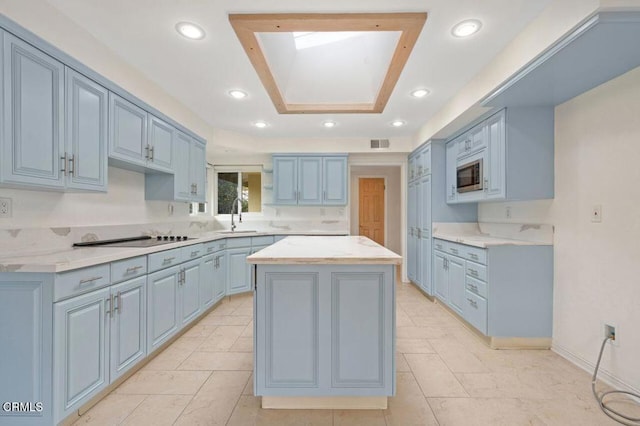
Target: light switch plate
x,y
596,213
5,207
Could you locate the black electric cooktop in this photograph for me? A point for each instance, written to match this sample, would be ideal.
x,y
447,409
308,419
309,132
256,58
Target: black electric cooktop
x,y
143,241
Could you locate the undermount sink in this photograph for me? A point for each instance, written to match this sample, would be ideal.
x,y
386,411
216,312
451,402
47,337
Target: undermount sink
x,y
239,231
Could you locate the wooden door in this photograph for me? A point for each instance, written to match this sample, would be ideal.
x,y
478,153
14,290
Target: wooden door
x,y
371,213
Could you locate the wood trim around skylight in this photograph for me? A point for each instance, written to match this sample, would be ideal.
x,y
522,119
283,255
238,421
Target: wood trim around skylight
x,y
408,24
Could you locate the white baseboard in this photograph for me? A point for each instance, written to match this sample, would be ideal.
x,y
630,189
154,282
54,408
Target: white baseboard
x,y
588,366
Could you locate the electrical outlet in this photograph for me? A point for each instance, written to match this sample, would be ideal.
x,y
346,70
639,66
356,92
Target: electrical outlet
x,y
596,213
507,212
610,331
5,207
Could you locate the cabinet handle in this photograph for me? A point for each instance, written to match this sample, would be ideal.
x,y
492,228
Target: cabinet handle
x,y
146,155
454,251
116,306
151,150
109,301
453,190
195,188
486,184
89,280
473,303
63,169
473,287
473,272
132,269
473,256
324,195
72,166
168,260
195,253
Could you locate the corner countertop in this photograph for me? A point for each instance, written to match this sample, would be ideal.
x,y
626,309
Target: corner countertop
x,y
485,235
67,259
347,250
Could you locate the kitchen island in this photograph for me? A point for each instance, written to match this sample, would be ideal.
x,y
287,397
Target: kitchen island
x,y
324,323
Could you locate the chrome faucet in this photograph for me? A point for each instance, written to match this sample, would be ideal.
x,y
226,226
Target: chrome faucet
x,y
233,207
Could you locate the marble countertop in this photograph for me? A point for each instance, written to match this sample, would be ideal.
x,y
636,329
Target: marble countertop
x,y
348,250
61,260
486,235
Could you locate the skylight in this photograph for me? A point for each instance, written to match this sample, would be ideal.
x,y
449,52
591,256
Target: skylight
x,y
307,39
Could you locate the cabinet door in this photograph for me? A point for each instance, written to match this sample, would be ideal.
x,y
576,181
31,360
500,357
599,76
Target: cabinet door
x,y
419,167
33,139
220,282
198,171
238,277
440,276
285,180
334,181
162,306
309,180
129,326
495,169
160,142
207,281
425,234
182,151
81,349
455,266
86,132
426,161
418,238
190,291
411,239
412,168
451,172
127,132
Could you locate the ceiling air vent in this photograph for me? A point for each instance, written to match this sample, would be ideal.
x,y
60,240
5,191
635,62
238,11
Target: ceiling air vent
x,y
379,143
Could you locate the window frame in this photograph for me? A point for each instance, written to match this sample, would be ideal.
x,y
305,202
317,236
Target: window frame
x,y
239,170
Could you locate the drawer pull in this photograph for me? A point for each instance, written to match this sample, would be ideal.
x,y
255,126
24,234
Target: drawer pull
x,y
195,253
168,259
473,287
454,251
473,256
473,272
132,269
209,249
89,280
473,303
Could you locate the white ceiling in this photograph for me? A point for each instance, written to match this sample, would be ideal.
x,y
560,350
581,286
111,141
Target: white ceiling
x,y
200,73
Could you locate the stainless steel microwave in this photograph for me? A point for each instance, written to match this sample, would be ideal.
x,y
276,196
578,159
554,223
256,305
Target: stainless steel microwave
x,y
469,176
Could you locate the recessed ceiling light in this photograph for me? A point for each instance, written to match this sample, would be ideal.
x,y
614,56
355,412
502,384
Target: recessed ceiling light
x,y
466,28
398,123
237,94
190,30
329,124
420,93
260,124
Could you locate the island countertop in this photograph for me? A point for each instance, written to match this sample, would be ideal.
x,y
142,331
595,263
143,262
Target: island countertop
x,y
348,250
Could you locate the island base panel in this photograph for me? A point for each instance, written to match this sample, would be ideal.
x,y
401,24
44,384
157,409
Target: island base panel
x,y
325,403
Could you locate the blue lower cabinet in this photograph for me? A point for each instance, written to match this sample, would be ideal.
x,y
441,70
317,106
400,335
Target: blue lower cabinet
x,y
238,271
207,281
456,270
220,277
440,275
309,336
162,300
129,326
81,336
190,291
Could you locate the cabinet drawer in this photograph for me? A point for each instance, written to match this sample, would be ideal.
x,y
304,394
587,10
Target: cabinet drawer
x,y
214,246
80,281
239,242
476,270
262,241
191,252
474,254
440,245
476,286
164,259
475,311
455,249
128,268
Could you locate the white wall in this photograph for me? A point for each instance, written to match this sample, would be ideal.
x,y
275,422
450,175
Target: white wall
x,y
123,204
597,153
393,194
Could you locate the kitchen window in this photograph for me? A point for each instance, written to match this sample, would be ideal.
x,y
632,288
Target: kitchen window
x,y
245,183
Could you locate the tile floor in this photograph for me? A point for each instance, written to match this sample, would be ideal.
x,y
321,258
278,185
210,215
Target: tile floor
x,y
445,376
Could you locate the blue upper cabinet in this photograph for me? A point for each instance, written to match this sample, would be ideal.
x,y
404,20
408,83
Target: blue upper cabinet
x,y
128,133
285,180
33,139
86,133
160,138
310,179
198,171
334,172
514,150
182,150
